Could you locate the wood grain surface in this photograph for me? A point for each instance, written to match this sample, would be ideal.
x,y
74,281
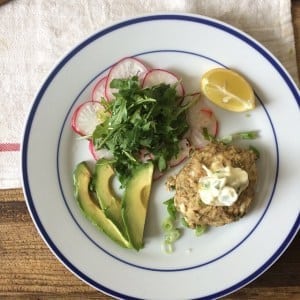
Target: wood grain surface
x,y
28,269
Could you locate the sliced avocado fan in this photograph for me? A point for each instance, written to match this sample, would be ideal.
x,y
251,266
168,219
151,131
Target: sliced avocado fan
x,y
82,177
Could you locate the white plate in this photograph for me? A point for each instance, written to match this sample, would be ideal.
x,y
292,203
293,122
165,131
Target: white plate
x,y
225,258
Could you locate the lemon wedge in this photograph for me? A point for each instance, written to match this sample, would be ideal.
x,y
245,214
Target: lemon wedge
x,y
228,89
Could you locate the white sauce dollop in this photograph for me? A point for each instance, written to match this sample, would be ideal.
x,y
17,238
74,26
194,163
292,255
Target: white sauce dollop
x,y
222,185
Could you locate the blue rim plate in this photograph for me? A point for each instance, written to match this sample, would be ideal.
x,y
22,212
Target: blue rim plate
x,y
188,45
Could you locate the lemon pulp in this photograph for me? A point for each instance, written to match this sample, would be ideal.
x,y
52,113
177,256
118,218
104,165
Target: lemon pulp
x,y
228,89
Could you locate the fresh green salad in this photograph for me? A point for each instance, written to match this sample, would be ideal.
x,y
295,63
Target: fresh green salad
x,y
136,125
141,124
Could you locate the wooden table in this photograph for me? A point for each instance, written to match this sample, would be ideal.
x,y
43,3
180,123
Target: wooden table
x,y
28,270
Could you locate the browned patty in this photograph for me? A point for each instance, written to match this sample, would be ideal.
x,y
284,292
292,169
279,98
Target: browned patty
x,y
187,200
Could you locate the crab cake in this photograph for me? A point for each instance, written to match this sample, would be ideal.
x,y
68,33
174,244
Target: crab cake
x,y
206,166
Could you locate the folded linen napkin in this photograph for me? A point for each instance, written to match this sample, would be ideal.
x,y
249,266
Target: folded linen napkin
x,y
34,34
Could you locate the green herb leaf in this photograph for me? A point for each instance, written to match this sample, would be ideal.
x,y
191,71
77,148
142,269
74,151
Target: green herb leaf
x,y
148,119
172,211
208,136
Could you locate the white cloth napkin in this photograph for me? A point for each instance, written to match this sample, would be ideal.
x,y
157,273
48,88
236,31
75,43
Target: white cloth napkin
x,y
34,34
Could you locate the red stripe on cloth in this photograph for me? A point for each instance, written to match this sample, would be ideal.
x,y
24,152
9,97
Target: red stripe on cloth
x,y
8,147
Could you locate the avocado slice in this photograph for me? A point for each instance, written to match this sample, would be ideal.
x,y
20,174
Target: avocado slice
x,y
109,202
135,203
81,181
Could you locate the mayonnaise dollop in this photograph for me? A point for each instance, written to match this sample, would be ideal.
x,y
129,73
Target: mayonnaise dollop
x,y
222,185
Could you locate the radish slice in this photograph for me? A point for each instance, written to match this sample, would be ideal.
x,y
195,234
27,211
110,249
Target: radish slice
x,y
86,117
205,119
197,138
199,115
99,89
193,111
125,68
157,76
157,174
102,153
184,151
145,155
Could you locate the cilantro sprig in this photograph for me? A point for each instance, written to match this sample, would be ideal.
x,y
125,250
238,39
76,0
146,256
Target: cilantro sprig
x,y
148,119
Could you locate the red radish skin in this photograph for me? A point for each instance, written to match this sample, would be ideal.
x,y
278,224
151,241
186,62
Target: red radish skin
x,y
99,89
157,174
86,118
98,154
157,76
125,68
145,155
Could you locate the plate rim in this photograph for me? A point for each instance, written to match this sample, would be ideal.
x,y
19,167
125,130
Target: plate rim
x,y
68,56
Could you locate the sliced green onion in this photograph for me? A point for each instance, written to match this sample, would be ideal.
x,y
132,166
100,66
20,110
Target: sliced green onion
x,y
248,135
184,222
171,208
244,135
167,248
167,224
200,229
226,139
172,235
252,148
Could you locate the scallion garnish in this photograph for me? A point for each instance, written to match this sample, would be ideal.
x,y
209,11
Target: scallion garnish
x,y
184,222
171,208
167,248
200,229
252,148
248,135
172,235
243,135
167,224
